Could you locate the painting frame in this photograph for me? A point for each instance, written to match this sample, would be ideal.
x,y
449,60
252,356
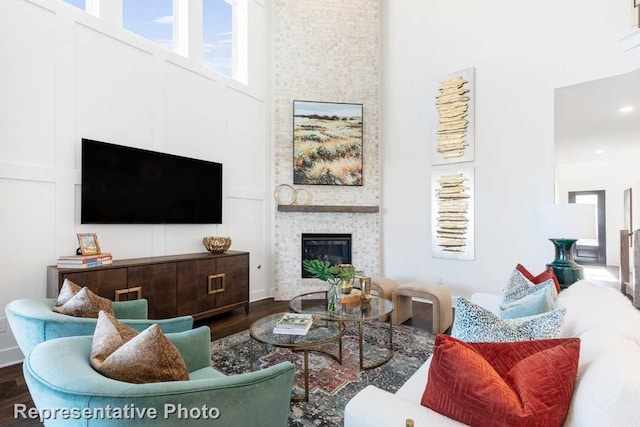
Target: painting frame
x,y
454,124
89,244
453,228
328,143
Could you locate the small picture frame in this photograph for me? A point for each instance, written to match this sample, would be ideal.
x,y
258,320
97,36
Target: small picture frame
x,y
88,244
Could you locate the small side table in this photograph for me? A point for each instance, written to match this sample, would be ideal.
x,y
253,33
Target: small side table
x,y
321,332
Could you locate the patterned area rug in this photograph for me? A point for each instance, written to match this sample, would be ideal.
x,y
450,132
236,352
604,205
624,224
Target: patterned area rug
x,y
332,385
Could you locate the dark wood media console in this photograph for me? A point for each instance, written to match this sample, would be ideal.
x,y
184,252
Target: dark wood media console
x,y
200,285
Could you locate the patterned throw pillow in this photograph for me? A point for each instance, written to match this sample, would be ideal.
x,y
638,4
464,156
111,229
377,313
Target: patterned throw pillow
x,y
543,299
542,277
120,353
473,323
526,383
80,302
519,286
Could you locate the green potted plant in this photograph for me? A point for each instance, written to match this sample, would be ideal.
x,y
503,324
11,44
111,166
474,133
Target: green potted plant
x,y
336,275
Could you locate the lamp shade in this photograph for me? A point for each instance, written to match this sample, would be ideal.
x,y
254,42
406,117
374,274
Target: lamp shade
x,y
567,221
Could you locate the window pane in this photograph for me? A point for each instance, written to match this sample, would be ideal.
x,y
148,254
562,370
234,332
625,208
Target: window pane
x,y
151,19
80,4
217,46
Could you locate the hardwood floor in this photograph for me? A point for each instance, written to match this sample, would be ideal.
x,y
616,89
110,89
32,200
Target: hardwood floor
x,y
13,389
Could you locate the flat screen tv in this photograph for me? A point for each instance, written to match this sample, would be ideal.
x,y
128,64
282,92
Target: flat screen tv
x,y
125,185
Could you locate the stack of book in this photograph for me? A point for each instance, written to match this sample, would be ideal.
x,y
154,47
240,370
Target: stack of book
x,y
84,261
293,324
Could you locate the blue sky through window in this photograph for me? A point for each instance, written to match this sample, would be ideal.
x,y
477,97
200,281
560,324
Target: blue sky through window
x,y
216,36
151,19
77,3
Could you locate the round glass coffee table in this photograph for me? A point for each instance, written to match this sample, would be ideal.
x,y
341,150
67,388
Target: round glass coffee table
x,y
316,304
321,332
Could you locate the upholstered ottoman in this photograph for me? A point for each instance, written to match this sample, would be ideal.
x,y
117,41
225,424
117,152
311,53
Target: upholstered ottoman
x,y
384,287
439,296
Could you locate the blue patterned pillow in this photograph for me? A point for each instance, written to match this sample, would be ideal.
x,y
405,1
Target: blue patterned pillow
x,y
473,323
519,287
543,299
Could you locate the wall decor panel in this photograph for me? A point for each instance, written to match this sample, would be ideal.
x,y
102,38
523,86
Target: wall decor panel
x,y
452,213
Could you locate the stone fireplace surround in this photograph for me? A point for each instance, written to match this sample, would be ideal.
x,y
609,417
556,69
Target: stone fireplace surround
x,y
289,227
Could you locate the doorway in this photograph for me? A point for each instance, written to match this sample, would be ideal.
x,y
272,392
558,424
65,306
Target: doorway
x,y
592,251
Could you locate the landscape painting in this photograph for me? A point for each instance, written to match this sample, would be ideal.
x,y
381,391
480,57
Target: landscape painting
x,y
327,143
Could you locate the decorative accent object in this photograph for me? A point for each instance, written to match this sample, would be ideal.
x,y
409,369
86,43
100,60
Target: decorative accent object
x,y
327,143
292,197
365,289
452,213
337,276
216,245
88,244
455,111
563,224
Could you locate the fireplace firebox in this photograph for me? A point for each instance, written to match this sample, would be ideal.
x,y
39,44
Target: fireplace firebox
x,y
335,248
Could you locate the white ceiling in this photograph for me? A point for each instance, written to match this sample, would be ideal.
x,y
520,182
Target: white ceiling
x,y
587,119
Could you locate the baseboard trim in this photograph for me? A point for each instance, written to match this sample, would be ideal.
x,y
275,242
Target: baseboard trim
x,y
10,356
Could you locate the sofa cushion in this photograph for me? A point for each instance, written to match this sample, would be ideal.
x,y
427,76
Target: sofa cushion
x,y
473,323
120,353
541,300
518,286
80,302
540,278
526,383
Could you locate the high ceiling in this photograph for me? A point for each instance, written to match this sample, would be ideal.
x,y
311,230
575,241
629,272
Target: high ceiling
x,y
588,125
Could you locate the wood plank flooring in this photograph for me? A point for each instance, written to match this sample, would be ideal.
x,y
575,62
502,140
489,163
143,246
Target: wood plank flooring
x,y
13,389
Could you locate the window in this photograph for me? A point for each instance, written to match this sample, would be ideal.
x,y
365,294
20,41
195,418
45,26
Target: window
x,y
151,19
217,36
80,4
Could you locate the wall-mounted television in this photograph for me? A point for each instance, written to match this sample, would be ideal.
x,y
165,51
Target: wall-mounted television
x,y
125,185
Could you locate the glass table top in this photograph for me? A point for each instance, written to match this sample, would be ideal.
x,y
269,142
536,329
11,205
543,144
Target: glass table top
x,y
316,304
321,332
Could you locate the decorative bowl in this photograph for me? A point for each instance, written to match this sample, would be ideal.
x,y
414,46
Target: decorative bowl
x,y
216,244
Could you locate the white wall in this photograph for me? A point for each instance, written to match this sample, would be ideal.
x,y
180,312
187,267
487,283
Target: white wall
x,y
521,54
65,75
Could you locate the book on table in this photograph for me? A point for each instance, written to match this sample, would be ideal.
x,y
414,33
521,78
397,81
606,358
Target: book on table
x,y
84,261
293,324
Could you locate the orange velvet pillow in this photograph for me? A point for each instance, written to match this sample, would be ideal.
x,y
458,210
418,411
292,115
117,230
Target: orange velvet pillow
x,y
540,278
525,383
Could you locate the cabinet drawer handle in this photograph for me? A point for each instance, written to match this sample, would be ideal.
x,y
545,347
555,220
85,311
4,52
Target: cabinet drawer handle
x,y
211,288
137,290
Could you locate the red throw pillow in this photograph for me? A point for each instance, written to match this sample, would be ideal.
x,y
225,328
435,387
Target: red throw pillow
x,y
540,278
525,383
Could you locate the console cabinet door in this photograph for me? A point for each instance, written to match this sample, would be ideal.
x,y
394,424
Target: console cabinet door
x,y
157,283
194,295
235,280
104,283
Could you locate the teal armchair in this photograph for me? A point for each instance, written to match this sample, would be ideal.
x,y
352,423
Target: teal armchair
x,y
32,321
209,398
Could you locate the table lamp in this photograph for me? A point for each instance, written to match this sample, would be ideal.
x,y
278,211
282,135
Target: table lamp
x,y
563,224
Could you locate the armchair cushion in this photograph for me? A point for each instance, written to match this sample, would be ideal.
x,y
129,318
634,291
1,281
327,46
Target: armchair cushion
x,y
84,304
119,352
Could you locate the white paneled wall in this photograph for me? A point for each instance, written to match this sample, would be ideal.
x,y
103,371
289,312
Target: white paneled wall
x,y
66,75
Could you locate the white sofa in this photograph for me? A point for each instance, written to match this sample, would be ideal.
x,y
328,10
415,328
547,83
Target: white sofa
x,y
607,389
